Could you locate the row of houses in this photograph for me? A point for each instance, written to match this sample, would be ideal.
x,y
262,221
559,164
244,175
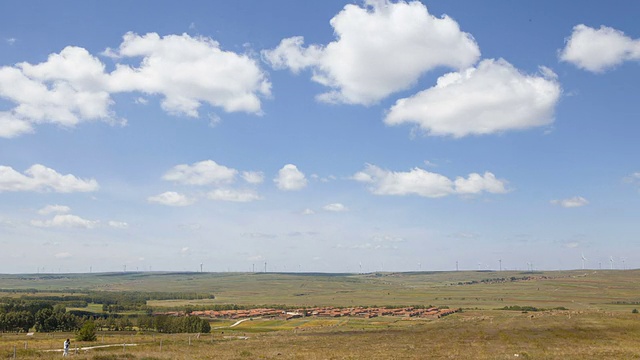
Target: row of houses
x,y
364,312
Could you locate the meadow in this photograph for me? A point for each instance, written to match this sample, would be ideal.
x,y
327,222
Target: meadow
x,y
580,314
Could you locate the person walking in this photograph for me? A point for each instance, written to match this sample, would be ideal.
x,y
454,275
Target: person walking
x,y
66,348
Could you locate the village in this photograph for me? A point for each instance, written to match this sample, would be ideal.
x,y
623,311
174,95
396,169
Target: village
x,y
363,312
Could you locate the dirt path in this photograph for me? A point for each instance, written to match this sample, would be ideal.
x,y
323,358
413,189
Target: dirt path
x,y
91,347
232,325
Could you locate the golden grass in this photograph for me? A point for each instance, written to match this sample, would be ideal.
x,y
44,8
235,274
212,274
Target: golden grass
x,y
468,335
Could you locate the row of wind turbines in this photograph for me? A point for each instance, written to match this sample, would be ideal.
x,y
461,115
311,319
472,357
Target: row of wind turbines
x,y
611,261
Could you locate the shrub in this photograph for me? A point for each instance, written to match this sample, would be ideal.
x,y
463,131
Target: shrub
x,y
87,332
634,311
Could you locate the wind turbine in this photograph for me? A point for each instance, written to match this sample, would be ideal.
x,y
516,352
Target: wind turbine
x,y
611,260
583,260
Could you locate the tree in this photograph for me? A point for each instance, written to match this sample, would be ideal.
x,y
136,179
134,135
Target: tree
x,y
634,311
87,332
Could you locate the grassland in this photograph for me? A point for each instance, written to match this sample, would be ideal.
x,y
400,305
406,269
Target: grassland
x,y
597,322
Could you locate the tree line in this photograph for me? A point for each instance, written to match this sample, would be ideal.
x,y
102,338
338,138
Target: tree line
x,y
22,315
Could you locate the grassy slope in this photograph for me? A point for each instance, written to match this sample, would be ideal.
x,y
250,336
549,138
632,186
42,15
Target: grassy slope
x,y
593,328
584,289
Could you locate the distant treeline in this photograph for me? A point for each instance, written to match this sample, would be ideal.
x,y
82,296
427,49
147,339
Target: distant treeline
x,y
499,280
112,301
626,303
47,313
19,315
529,308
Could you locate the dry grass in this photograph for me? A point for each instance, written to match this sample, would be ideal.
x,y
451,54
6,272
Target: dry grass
x,y
467,335
594,327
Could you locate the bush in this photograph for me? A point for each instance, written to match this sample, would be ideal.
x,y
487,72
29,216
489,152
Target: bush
x,y
87,332
634,311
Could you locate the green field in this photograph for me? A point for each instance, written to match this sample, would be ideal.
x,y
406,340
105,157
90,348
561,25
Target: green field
x,y
596,323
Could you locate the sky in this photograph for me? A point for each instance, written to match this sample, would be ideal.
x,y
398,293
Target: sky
x,y
325,136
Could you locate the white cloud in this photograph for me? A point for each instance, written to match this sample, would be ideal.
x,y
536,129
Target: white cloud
x,y
335,207
290,178
118,224
417,181
208,172
141,101
171,198
72,86
189,71
476,183
253,177
576,201
597,50
308,211
62,255
493,97
11,126
59,209
42,178
427,184
66,221
11,41
632,179
381,48
201,173
66,89
233,195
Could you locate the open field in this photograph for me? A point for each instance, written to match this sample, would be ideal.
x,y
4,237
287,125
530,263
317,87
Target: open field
x,y
576,290
598,322
469,335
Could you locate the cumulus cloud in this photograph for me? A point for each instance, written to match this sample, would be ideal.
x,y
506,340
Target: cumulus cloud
x,y
427,184
171,198
380,48
597,50
335,207
209,172
201,173
253,177
290,178
11,126
59,209
476,183
188,71
233,195
66,89
490,98
66,221
41,178
72,86
576,201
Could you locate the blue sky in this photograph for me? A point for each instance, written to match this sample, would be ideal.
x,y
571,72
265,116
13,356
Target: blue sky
x,y
318,136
